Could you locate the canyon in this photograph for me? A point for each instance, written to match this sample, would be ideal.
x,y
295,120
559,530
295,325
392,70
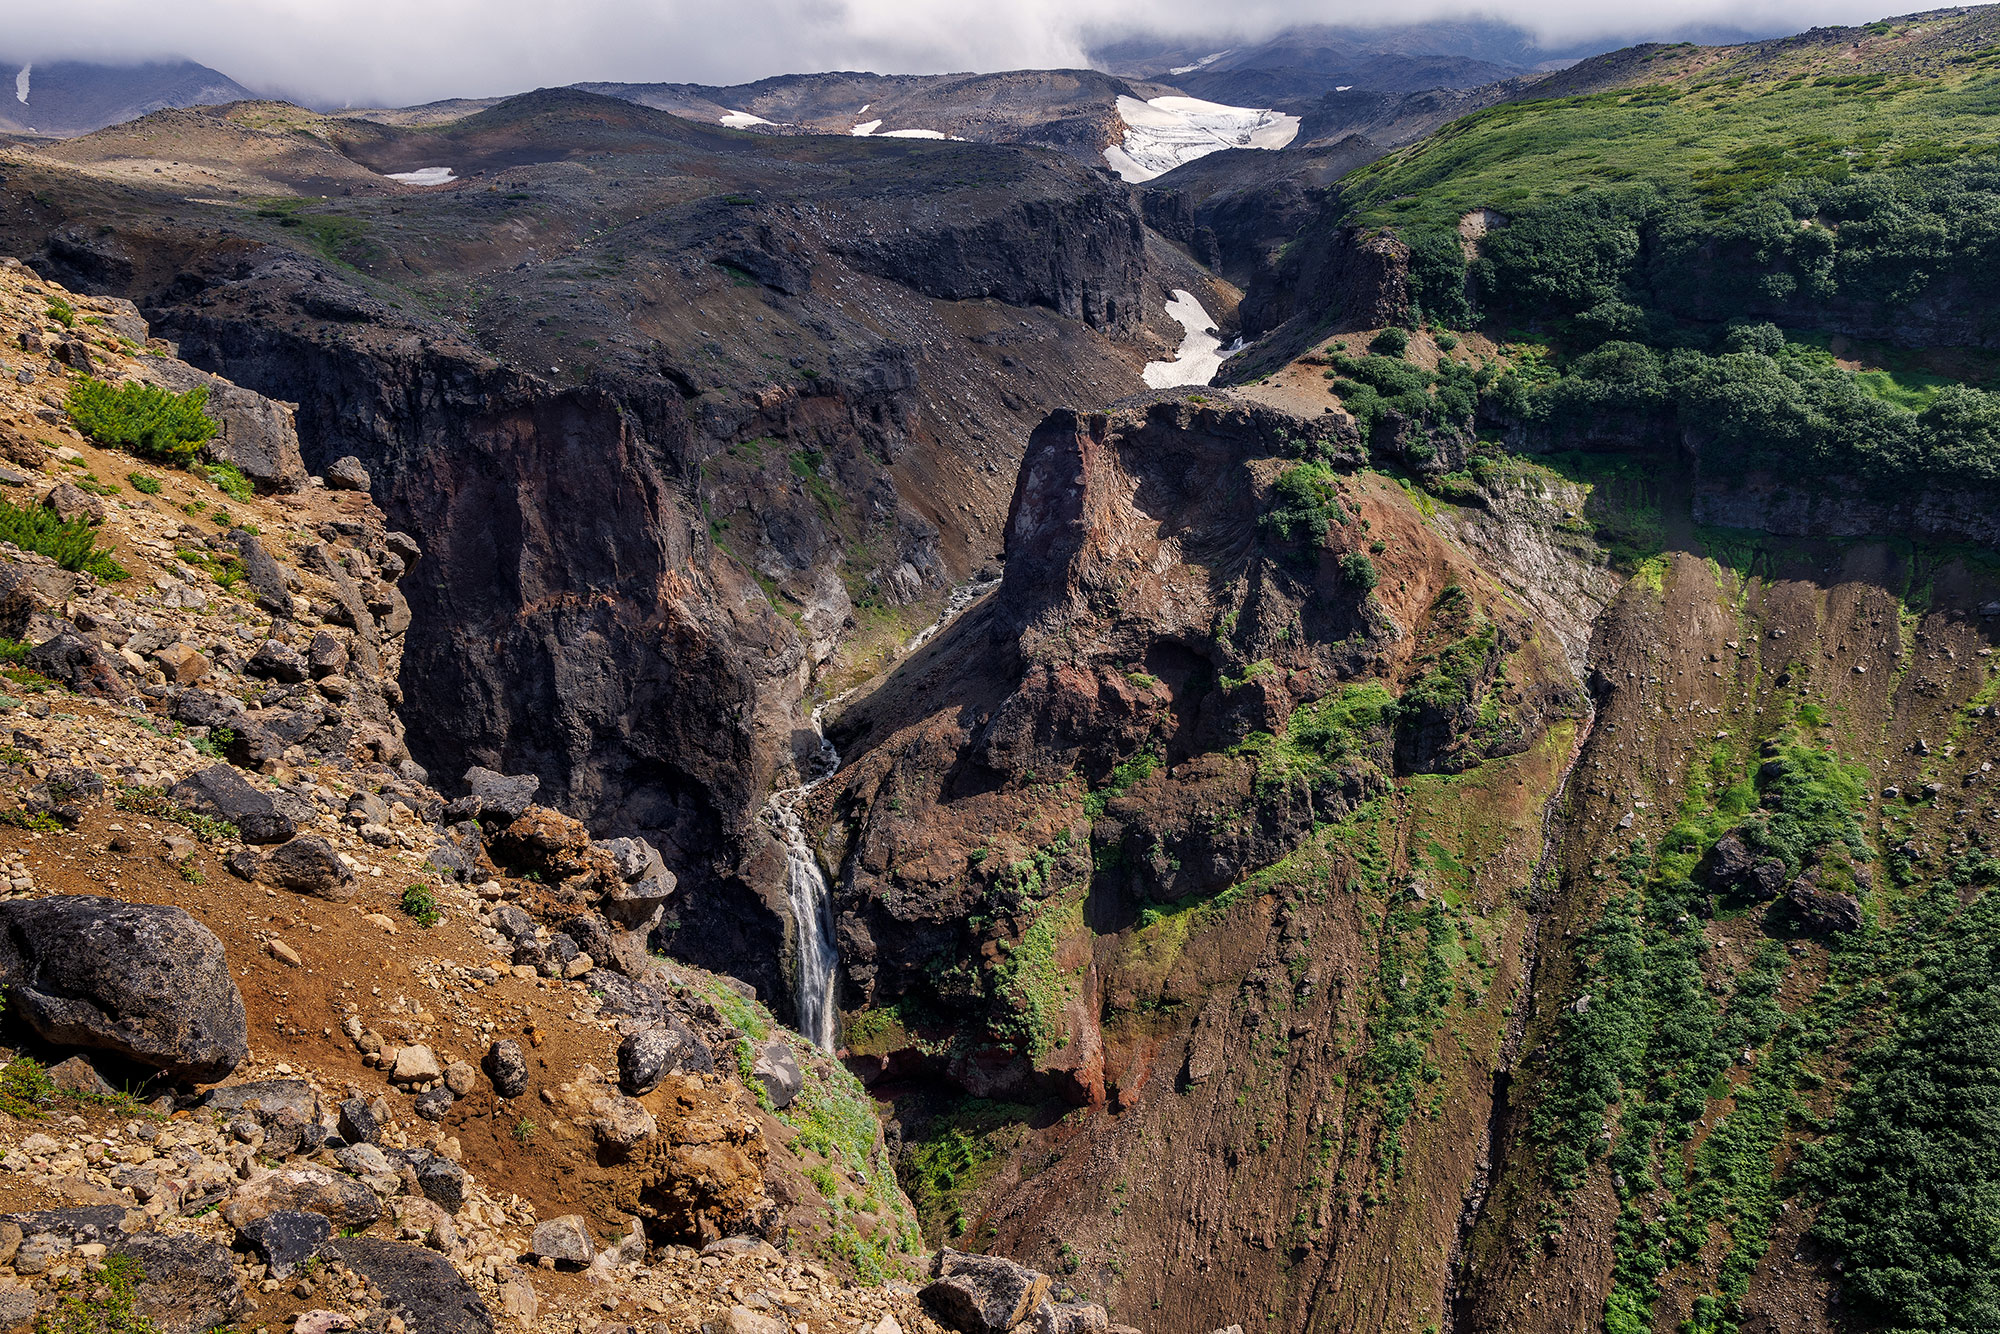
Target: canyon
x,y
1426,822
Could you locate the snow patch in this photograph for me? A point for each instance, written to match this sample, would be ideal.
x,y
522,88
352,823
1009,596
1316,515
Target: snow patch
x,y
865,128
1169,131
425,176
914,134
1203,63
1201,353
1343,87
743,120
21,85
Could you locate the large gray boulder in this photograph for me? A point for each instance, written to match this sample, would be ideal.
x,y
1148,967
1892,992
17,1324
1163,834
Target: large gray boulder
x,y
308,865
223,793
494,796
982,1294
286,1239
263,573
418,1285
191,1284
145,982
259,435
78,664
777,1069
650,1055
266,1098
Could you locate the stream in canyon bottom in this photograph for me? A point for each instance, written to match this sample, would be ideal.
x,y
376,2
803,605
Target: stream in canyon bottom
x,y
806,885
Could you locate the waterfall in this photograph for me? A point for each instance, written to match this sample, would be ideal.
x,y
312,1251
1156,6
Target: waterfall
x,y
805,883
812,905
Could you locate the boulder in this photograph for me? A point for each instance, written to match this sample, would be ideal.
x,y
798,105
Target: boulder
x,y
982,1294
263,574
183,664
103,1224
743,1320
347,473
418,1285
777,1069
20,599
191,1284
278,662
221,792
650,1055
258,435
266,1099
1734,867
78,1075
566,1240
308,865
78,664
507,1066
416,1064
19,1305
1825,909
345,1201
363,1160
326,656
1053,1317
71,502
144,982
442,1180
622,1124
635,858
357,1122
434,1104
493,797
286,1239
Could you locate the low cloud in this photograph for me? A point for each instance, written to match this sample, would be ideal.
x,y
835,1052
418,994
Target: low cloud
x,y
398,52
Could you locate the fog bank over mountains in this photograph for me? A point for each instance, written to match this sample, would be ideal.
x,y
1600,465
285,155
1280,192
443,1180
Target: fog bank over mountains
x,y
373,52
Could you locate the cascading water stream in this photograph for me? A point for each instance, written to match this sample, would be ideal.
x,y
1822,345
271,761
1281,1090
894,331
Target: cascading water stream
x,y
805,883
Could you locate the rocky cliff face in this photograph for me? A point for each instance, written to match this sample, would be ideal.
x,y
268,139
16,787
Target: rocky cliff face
x,y
648,547
1223,933
1147,834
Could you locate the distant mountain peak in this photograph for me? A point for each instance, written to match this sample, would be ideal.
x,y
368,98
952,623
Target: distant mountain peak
x,y
72,97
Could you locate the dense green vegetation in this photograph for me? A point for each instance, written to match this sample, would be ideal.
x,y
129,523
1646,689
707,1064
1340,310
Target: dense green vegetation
x,y
1723,143
954,1154
1661,235
1304,505
1762,402
1324,737
71,543
1647,1047
143,419
1910,1171
1376,389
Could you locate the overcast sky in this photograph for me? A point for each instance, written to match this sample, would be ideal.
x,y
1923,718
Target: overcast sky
x,y
399,52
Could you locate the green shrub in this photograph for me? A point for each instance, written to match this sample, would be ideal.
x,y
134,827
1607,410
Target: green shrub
x,y
1358,570
142,483
1390,343
142,419
1304,504
420,904
62,312
228,479
71,543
